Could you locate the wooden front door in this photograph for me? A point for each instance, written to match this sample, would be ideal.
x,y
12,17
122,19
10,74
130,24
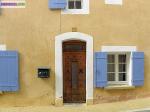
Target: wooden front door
x,y
74,72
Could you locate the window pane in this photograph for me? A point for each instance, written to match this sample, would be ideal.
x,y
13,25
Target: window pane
x,y
122,77
111,77
74,70
73,47
111,67
111,58
71,4
78,4
122,67
122,58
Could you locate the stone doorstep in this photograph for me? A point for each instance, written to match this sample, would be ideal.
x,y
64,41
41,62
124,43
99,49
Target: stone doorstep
x,y
59,102
74,104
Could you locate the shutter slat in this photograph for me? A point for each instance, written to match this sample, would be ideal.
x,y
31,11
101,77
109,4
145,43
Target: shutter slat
x,y
8,71
100,69
57,4
138,68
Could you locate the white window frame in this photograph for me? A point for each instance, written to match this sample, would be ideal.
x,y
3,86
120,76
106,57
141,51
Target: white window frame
x,y
116,54
2,47
84,10
114,2
122,49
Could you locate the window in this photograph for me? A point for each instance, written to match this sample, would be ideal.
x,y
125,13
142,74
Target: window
x,y
74,4
117,68
76,7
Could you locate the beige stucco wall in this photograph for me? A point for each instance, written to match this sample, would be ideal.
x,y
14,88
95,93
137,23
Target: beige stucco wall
x,y
32,31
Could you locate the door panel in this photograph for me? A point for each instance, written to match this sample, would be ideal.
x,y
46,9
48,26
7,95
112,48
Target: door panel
x,y
74,77
74,73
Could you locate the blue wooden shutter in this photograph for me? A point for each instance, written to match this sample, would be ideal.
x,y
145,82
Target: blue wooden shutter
x,y
100,69
8,71
57,4
138,68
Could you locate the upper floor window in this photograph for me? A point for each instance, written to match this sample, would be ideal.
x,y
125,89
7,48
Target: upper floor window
x,y
74,4
76,7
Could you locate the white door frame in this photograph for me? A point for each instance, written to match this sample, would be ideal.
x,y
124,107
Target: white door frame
x,y
59,63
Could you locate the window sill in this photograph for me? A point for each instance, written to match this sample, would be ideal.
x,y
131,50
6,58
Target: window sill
x,y
74,11
110,87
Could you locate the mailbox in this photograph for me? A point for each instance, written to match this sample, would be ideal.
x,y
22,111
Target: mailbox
x,y
43,72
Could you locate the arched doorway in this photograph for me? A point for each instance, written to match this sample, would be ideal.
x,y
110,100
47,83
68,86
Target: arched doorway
x,y
59,40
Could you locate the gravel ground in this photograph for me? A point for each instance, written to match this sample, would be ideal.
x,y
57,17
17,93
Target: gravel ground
x,y
127,106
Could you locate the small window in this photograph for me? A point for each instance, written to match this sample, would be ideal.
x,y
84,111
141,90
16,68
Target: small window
x,y
117,68
76,7
74,46
74,4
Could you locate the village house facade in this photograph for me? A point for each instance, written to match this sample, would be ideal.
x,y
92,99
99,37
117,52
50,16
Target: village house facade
x,y
74,51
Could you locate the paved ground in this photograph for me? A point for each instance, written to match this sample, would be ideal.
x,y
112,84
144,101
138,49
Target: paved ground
x,y
141,110
105,107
